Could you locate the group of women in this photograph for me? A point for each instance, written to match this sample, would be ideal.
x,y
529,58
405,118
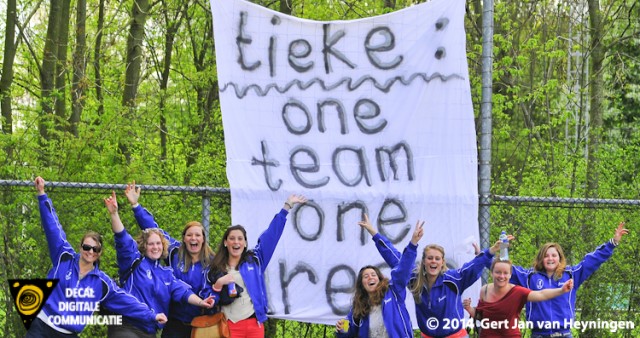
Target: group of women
x,y
156,297
152,296
548,289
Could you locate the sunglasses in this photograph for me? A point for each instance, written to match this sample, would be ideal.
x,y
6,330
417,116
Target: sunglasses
x,y
87,247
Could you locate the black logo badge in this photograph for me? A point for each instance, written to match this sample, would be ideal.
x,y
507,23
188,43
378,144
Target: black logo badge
x,y
29,295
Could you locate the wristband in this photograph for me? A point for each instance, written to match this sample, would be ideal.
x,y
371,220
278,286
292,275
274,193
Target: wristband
x,y
289,205
216,290
613,241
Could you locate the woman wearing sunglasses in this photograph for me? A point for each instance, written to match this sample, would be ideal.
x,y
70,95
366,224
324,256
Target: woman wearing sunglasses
x,y
189,258
143,275
80,282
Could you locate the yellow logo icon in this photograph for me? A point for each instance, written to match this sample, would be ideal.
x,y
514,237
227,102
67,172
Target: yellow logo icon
x,y
29,295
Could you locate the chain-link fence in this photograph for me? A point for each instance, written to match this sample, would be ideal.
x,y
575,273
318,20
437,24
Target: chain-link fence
x,y
579,225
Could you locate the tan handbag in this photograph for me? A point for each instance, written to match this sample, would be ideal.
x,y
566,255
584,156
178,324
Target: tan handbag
x,y
210,326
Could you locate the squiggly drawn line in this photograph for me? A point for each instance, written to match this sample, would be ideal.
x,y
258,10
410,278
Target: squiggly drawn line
x,y
351,85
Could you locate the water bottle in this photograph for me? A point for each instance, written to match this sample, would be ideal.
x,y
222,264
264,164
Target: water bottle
x,y
504,246
233,292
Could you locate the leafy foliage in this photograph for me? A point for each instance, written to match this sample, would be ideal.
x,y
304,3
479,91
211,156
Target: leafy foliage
x,y
173,134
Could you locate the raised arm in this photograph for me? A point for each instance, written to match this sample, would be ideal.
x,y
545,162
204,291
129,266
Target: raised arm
x,y
365,224
268,240
126,247
56,237
143,217
387,251
542,295
112,206
133,193
620,231
593,260
496,246
401,273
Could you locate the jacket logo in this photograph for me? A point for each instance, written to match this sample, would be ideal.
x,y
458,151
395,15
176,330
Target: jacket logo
x,y
68,275
441,298
387,300
149,274
250,268
539,284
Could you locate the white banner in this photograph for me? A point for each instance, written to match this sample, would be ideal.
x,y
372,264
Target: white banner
x,y
371,115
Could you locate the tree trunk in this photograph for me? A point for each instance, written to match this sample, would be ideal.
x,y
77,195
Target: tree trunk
x,y
596,95
172,29
97,57
207,92
7,70
79,68
596,106
139,13
285,6
61,66
48,70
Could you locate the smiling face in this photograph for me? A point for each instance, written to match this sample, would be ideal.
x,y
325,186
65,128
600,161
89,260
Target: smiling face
x,y
235,243
153,247
90,256
433,262
370,280
551,260
501,273
193,239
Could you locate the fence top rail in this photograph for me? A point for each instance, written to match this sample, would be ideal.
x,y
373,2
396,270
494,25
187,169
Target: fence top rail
x,y
108,186
211,190
564,200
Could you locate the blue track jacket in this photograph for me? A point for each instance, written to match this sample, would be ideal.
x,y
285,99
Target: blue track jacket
x,y
394,312
98,290
195,277
444,300
549,316
150,282
252,270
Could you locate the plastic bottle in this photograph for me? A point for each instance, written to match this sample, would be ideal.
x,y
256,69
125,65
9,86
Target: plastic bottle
x,y
345,325
233,292
504,246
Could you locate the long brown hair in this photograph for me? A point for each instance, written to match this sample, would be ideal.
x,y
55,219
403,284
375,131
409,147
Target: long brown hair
x,y
538,262
144,237
362,301
220,261
206,254
420,272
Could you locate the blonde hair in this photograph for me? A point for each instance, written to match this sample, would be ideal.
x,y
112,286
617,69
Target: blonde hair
x,y
144,237
421,272
205,255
